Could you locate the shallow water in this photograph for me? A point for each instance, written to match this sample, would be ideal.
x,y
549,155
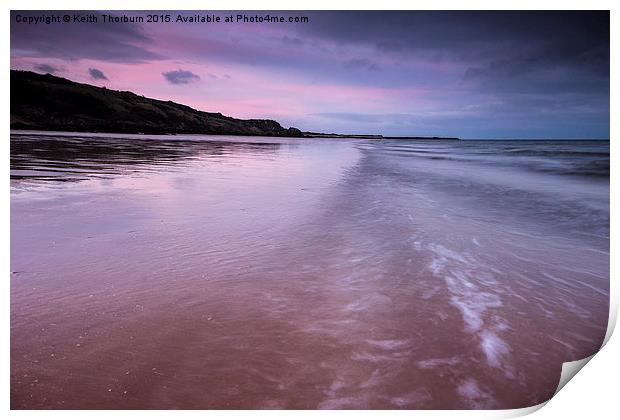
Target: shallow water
x,y
244,272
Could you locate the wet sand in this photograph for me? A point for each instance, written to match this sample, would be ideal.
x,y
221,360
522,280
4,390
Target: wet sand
x,y
275,273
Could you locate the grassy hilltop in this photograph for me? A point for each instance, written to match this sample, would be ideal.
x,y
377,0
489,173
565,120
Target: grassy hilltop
x,y
46,102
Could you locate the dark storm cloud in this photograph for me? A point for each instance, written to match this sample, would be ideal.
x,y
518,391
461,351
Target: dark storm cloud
x,y
180,77
123,43
496,48
45,68
492,51
97,74
463,33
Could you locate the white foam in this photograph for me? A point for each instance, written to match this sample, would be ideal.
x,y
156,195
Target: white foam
x,y
388,344
495,349
449,254
375,358
465,278
412,399
473,395
473,306
433,363
373,381
469,389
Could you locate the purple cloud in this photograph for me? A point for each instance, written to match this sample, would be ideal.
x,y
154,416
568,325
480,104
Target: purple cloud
x,y
180,77
45,68
97,74
120,43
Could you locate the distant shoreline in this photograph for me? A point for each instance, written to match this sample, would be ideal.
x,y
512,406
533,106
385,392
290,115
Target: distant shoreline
x,y
311,134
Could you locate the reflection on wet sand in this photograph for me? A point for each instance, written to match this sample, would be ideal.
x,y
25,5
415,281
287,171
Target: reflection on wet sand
x,y
75,157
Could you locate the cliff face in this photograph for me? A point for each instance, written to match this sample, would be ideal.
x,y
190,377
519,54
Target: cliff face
x,y
46,102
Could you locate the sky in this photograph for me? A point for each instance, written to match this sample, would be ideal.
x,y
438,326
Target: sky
x,y
520,74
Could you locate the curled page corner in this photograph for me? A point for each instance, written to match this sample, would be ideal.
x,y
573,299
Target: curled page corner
x,y
613,315
569,370
520,412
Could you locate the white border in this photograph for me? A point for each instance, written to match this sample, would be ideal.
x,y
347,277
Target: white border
x,y
592,394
